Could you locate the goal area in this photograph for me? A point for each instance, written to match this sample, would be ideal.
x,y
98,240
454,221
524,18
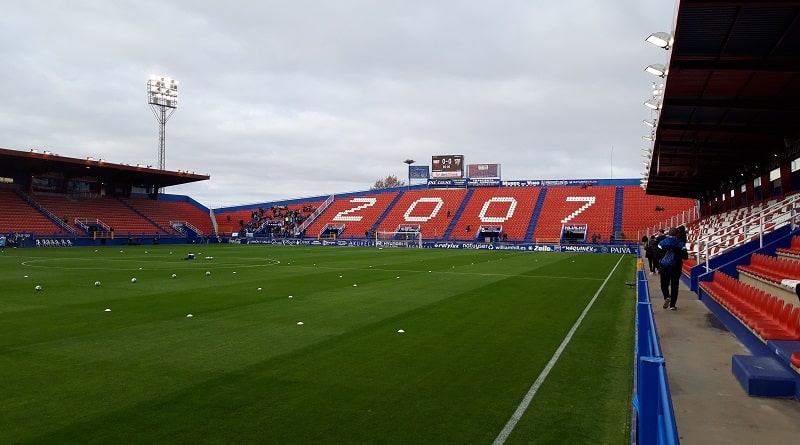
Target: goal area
x,y
403,237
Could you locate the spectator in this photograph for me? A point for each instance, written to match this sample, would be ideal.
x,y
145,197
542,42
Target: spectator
x,y
652,257
681,235
673,252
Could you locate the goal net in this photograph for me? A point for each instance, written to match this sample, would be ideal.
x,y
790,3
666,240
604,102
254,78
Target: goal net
x,y
399,238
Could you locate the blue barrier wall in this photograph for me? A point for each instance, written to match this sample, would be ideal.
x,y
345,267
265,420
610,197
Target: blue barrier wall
x,y
654,418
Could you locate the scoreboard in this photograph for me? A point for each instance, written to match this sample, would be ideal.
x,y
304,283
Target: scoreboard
x,y
447,166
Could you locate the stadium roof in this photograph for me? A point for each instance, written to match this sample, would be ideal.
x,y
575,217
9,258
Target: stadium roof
x,y
15,164
731,103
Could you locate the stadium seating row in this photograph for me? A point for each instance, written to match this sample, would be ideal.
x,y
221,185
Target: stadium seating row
x,y
767,316
459,214
793,251
771,268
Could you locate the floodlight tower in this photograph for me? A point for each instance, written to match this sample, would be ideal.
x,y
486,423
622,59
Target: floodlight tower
x,y
162,94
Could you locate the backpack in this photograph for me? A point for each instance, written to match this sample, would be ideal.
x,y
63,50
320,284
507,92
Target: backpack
x,y
669,260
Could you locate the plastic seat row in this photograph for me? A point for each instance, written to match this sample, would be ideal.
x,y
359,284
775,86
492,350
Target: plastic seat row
x,y
793,249
771,268
765,315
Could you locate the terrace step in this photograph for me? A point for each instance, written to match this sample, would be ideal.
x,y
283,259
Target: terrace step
x,y
763,376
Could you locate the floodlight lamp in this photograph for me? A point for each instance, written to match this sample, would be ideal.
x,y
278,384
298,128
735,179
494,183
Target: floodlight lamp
x,y
651,123
660,39
647,138
657,69
653,105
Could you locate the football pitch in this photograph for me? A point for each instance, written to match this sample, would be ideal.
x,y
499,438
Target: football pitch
x,y
314,345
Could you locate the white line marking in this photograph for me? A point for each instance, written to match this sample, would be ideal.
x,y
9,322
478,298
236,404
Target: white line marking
x,y
523,406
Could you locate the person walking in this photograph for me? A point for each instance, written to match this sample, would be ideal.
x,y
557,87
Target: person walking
x,y
652,254
672,253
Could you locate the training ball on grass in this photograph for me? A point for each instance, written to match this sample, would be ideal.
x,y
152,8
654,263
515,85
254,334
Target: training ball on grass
x,y
208,273
189,315
174,276
107,310
38,287
96,283
290,296
400,331
300,323
133,280
259,289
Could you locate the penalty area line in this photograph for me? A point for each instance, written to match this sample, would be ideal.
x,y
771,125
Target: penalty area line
x,y
526,401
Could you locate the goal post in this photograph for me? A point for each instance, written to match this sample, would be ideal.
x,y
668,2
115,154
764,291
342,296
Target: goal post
x,y
402,238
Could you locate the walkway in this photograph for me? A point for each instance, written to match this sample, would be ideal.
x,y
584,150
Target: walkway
x,y
711,407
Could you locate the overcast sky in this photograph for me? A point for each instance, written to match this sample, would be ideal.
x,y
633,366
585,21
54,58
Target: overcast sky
x,y
296,98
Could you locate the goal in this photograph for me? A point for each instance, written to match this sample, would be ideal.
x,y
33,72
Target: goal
x,y
399,238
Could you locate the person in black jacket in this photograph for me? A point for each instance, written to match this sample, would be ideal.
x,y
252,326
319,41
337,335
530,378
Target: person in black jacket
x,y
672,253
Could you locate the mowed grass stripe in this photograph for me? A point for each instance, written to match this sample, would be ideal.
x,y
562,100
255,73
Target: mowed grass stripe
x,y
220,380
587,397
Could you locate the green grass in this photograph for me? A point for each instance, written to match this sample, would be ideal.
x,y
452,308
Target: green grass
x,y
479,328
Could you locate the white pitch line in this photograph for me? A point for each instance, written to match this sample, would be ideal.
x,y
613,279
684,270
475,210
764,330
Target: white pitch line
x,y
523,406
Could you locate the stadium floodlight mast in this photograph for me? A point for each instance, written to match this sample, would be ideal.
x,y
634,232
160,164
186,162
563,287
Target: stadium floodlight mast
x,y
162,95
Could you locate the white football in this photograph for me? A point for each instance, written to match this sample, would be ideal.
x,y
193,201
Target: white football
x,y
38,287
174,276
208,272
96,283
133,280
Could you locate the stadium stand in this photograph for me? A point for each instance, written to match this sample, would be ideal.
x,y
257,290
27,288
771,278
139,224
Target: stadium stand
x,y
19,216
766,315
426,208
509,208
592,206
793,251
166,213
771,274
104,213
641,211
357,213
715,234
264,220
232,221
